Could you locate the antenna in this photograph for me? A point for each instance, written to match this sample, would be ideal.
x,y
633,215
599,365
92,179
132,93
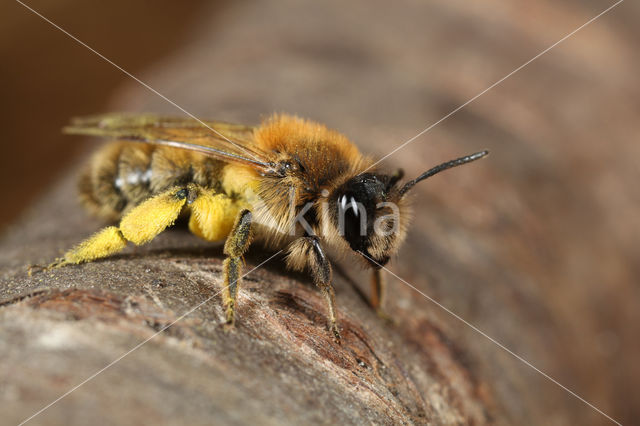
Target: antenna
x,y
444,166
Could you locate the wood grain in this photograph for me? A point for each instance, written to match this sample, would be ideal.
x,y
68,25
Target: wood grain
x,y
536,246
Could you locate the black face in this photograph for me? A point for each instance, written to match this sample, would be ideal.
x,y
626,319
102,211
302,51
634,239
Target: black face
x,y
355,209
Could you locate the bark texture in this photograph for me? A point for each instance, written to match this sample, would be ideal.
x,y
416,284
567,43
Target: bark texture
x,y
535,246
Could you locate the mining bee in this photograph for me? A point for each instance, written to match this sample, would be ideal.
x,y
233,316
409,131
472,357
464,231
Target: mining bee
x,y
289,183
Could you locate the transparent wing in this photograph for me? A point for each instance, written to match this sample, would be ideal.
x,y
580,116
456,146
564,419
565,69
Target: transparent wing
x,y
224,141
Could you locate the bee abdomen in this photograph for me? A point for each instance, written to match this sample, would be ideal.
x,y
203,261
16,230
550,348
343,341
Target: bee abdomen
x,y
123,174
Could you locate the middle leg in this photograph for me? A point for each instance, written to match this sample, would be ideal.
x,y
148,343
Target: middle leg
x,y
236,245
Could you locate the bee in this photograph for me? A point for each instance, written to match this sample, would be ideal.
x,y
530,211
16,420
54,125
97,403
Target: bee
x,y
289,183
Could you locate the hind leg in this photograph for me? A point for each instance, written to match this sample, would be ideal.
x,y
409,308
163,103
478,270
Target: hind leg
x,y
142,224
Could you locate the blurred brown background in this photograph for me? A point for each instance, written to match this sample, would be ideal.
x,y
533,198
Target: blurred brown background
x,y
537,246
48,78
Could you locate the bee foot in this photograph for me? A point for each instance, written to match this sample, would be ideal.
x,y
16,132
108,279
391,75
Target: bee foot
x,y
229,325
336,334
35,269
385,316
41,268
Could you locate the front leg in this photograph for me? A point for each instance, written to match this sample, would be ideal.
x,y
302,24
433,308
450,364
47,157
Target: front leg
x,y
378,290
307,250
378,294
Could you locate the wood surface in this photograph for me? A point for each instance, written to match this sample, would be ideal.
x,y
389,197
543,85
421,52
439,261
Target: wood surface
x,y
536,246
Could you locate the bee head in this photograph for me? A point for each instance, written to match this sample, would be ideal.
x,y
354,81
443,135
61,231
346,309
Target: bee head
x,y
368,212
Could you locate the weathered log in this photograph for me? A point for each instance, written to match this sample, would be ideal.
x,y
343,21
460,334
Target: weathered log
x,y
534,246
279,365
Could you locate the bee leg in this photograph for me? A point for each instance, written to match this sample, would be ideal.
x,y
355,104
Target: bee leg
x,y
235,246
321,271
378,287
103,243
142,224
378,294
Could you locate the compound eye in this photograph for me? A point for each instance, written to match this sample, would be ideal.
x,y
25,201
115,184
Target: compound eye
x,y
352,222
347,202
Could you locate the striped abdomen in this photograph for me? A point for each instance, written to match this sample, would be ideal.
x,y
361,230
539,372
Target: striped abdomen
x,y
123,174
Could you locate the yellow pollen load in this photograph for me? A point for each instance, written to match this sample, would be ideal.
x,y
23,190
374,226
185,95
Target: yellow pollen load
x,y
101,244
150,218
241,181
213,216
